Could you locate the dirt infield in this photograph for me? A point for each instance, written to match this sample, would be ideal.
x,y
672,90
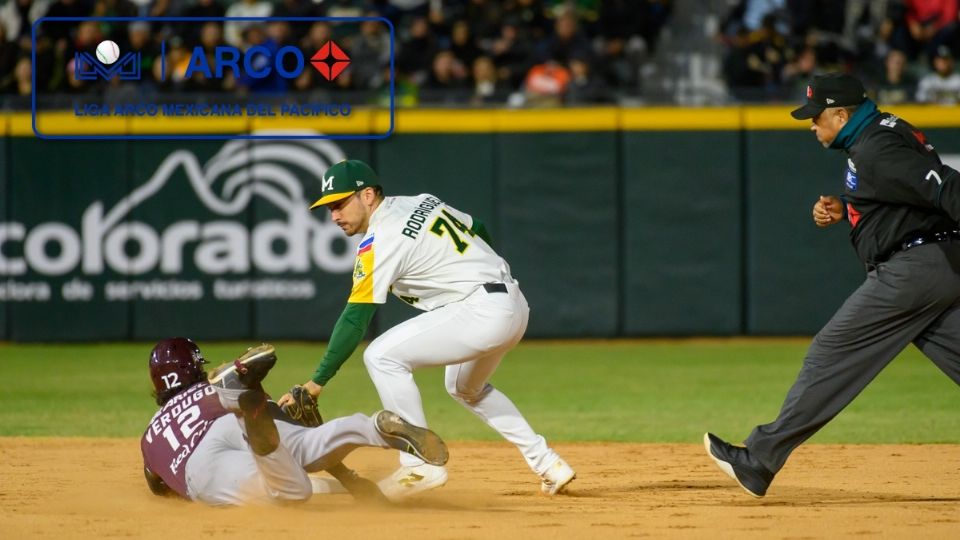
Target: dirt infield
x,y
78,489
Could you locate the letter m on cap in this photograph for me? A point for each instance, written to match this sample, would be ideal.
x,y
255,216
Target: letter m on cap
x,y
327,184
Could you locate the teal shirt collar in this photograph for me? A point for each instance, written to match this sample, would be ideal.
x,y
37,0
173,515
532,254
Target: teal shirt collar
x,y
858,122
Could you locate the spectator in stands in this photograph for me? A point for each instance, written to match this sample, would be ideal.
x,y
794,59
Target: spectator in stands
x,y
749,15
584,88
628,29
754,64
256,34
943,85
60,31
342,8
823,16
211,35
88,35
462,44
487,88
898,85
179,58
447,74
17,18
484,17
406,94
531,17
319,33
546,84
71,85
114,8
618,25
174,66
895,32
202,8
416,51
158,8
369,52
798,73
862,22
587,11
139,40
9,55
279,32
567,40
233,30
401,8
296,8
926,18
23,75
511,54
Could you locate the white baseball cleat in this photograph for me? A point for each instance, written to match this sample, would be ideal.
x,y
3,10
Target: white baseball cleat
x,y
557,477
407,481
232,379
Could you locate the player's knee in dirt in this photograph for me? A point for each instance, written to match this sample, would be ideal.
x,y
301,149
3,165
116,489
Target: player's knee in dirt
x,y
299,493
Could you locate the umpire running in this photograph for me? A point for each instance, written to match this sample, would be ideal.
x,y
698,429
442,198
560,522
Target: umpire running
x,y
903,206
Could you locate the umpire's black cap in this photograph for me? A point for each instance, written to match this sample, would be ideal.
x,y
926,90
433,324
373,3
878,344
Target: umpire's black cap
x,y
832,90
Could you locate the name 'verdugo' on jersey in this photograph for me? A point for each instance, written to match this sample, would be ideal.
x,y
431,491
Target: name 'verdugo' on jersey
x,y
425,253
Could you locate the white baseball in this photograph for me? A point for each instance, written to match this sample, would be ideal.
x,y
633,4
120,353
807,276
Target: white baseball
x,y
108,52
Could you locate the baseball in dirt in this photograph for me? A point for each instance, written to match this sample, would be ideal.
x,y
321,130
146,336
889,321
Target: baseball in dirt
x,y
108,52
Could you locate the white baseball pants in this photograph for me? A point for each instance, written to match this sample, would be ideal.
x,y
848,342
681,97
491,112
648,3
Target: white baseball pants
x,y
224,470
470,338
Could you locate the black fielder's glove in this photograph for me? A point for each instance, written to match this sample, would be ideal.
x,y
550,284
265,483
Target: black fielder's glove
x,y
303,410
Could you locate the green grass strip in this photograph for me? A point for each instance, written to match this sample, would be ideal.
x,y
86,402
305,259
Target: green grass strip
x,y
638,391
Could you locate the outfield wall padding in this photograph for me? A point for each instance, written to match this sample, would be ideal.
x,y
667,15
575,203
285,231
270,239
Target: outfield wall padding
x,y
4,203
681,244
627,222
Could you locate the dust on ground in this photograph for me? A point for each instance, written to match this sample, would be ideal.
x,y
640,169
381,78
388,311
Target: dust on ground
x,y
78,489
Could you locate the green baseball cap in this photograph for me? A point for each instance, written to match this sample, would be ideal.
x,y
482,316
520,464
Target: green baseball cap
x,y
344,179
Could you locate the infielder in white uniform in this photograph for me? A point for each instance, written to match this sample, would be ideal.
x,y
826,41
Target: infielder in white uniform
x,y
218,442
439,260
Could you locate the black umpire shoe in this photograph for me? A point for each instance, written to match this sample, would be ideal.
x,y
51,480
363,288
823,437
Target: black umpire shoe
x,y
245,373
737,462
411,439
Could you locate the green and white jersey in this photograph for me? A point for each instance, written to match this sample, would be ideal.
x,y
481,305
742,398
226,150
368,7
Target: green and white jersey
x,y
424,252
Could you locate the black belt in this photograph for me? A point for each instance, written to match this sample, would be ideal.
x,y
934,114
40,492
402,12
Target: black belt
x,y
494,287
926,238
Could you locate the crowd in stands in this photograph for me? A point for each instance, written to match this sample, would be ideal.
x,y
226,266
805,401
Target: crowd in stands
x,y
522,52
904,50
479,52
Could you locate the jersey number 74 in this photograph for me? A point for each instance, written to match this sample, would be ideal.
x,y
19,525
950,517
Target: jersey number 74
x,y
448,224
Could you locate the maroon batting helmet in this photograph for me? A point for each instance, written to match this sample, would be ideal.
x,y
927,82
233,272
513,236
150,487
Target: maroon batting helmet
x,y
175,365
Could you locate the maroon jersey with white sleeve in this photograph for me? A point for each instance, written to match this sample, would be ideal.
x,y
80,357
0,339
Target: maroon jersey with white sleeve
x,y
176,430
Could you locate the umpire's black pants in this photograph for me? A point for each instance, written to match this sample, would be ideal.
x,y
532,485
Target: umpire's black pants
x,y
913,297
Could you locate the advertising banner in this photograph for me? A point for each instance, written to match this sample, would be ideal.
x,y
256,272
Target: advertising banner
x,y
174,240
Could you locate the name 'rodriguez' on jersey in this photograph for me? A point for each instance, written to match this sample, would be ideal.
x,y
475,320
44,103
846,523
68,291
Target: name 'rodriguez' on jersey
x,y
432,249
